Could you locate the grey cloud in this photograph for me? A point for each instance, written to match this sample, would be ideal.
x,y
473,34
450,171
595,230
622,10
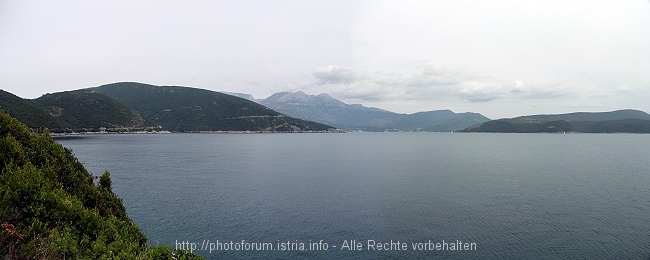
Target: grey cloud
x,y
427,83
540,91
252,82
425,76
481,92
584,106
479,98
334,74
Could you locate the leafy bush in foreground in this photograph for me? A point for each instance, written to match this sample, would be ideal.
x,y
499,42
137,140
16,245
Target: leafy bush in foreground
x,y
50,207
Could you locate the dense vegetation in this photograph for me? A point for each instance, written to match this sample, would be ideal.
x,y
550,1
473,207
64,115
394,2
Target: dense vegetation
x,y
185,109
51,208
75,111
585,116
503,126
613,126
29,114
621,121
89,111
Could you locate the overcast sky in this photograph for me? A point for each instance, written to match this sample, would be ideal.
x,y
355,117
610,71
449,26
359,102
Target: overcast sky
x,y
498,58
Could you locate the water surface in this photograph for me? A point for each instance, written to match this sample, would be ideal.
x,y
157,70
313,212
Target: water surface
x,y
516,196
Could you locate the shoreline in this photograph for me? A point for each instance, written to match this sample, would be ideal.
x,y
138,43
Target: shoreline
x,y
196,132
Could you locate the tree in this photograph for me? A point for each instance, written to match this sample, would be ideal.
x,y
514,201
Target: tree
x,y
105,181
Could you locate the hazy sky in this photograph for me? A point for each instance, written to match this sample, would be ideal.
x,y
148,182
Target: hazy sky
x,y
498,58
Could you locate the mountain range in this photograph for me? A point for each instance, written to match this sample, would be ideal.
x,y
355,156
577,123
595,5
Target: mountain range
x,y
355,117
131,106
185,109
136,107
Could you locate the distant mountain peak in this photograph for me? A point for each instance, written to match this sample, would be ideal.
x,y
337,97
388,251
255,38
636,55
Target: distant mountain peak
x,y
300,98
325,96
326,109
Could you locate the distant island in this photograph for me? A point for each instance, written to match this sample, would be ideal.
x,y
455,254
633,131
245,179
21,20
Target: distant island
x,y
619,121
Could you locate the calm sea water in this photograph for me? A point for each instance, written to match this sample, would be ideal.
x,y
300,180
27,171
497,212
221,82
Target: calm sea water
x,y
514,196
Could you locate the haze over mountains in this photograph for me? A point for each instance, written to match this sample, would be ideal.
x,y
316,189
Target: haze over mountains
x,y
327,110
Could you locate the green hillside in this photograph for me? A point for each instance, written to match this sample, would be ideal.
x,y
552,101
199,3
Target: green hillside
x,y
75,111
620,121
51,208
505,126
584,116
28,113
613,126
185,109
86,110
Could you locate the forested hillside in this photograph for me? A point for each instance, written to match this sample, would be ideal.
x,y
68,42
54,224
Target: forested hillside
x,y
185,109
52,208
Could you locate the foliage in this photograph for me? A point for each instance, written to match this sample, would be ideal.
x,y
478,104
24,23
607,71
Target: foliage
x,y
57,211
31,115
613,126
88,110
105,181
166,253
79,110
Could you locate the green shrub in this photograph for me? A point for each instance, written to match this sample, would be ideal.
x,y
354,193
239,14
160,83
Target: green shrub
x,y
57,211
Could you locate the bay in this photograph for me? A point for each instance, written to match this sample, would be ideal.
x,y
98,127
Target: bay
x,y
512,196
